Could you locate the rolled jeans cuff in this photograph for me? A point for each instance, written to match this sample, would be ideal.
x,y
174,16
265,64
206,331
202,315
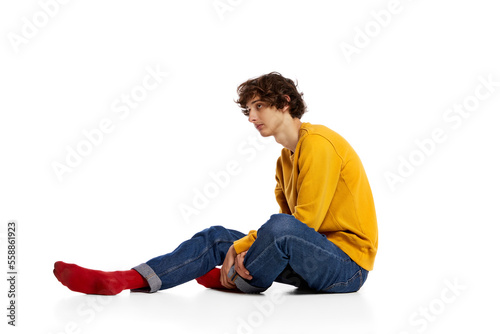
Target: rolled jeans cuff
x,y
243,284
149,275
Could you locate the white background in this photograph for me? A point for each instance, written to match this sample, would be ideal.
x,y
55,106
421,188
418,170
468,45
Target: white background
x,y
121,205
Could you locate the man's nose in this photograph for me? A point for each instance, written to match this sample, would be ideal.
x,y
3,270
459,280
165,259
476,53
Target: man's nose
x,y
252,116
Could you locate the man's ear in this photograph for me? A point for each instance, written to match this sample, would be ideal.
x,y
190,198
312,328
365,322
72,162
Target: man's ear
x,y
287,106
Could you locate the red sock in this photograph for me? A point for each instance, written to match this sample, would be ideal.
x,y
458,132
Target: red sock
x,y
97,282
211,279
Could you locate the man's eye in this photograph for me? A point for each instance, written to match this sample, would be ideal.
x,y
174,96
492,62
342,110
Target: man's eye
x,y
259,106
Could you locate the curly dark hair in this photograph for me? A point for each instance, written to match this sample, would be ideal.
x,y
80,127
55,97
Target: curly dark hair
x,y
272,88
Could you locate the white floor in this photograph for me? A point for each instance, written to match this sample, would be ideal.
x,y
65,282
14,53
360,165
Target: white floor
x,y
191,309
379,307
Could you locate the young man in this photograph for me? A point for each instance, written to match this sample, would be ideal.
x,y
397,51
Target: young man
x,y
325,237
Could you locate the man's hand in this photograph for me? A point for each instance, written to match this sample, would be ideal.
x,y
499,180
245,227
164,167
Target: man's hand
x,y
240,268
224,270
237,260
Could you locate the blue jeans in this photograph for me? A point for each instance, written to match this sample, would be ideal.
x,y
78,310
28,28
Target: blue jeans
x,y
286,250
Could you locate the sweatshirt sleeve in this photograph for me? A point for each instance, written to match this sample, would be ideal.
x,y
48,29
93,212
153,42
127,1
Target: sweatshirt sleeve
x,y
278,191
319,166
281,199
244,243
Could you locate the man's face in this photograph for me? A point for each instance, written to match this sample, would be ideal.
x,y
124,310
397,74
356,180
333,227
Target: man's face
x,y
267,120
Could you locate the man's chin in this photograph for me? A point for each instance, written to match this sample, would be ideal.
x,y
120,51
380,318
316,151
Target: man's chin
x,y
264,134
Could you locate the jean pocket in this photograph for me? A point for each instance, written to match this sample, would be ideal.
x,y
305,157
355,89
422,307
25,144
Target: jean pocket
x,y
353,284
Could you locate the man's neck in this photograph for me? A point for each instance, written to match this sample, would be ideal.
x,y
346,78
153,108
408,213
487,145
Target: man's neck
x,y
289,136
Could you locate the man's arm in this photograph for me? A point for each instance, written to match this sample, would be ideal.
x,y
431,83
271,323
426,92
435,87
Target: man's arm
x,y
281,199
244,243
278,191
320,167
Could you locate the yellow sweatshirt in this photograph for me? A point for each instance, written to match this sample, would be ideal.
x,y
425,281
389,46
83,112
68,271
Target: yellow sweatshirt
x,y
324,185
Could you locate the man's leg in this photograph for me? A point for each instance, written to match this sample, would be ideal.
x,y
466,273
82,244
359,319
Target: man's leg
x,y
193,258
285,243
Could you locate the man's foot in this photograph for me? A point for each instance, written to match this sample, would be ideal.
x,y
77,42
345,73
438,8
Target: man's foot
x,y
211,280
97,282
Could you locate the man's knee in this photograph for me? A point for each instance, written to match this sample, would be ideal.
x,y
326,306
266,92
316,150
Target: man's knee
x,y
214,233
279,225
